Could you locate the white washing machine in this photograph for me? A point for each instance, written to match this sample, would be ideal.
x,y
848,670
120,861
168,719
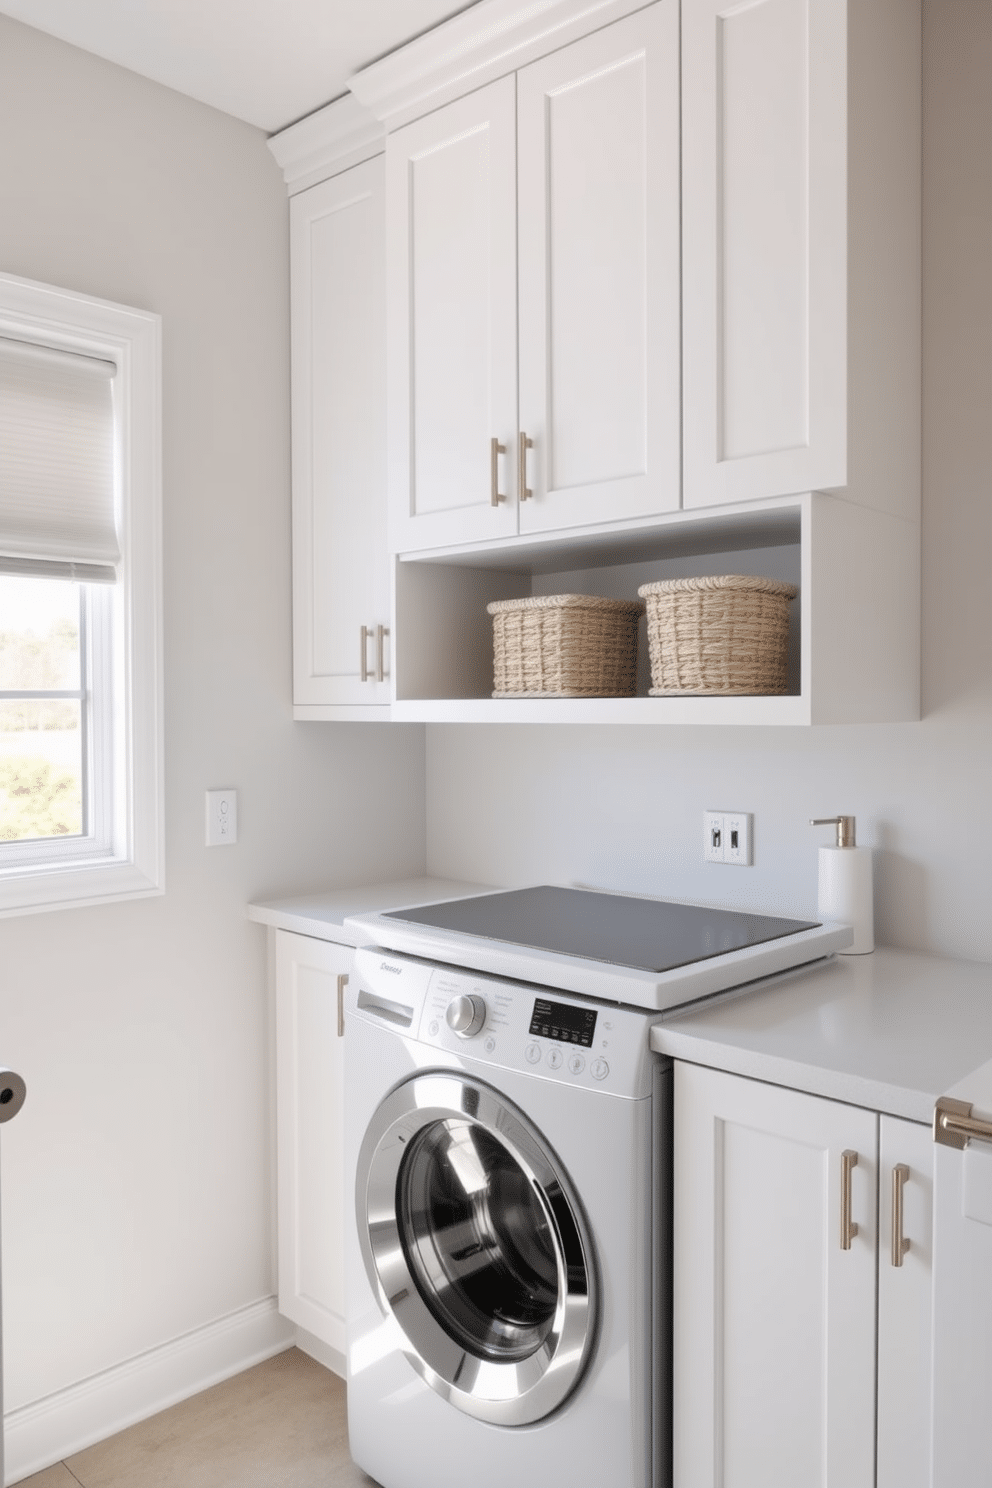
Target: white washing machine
x,y
508,1152
508,1141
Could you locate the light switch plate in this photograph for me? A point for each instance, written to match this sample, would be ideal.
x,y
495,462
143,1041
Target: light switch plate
x,y
727,837
222,818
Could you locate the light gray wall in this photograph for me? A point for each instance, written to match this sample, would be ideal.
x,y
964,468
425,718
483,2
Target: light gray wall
x,y
137,1180
622,807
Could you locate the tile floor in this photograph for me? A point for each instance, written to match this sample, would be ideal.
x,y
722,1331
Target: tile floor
x,y
279,1425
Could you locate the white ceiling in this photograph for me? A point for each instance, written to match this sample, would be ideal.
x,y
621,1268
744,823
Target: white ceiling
x,y
266,61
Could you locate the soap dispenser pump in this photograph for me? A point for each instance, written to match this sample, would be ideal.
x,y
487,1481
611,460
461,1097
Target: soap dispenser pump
x,y
845,884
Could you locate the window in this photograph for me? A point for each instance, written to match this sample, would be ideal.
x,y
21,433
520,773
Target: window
x,y
80,631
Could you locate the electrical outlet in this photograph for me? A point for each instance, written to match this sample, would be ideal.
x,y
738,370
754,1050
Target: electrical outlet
x,y
727,837
222,818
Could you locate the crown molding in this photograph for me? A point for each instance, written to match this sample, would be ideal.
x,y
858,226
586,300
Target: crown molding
x,y
340,134
490,39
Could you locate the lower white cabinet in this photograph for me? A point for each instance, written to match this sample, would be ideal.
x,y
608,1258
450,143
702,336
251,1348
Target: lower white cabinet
x,y
310,976
778,1269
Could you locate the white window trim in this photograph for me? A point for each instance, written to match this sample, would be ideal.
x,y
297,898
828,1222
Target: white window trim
x,y
135,864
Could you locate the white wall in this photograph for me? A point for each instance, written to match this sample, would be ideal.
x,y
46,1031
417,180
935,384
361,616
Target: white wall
x,y
622,807
137,1181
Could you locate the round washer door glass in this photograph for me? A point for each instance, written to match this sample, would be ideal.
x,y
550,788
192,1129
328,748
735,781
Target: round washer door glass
x,y
473,1240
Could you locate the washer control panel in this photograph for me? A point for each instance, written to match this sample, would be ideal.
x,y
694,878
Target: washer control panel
x,y
559,1037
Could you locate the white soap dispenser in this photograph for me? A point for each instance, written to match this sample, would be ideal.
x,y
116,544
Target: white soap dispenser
x,y
845,885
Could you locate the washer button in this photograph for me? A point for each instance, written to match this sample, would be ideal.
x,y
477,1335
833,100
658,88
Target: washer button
x,y
532,1054
490,1045
576,1064
433,1028
599,1069
554,1059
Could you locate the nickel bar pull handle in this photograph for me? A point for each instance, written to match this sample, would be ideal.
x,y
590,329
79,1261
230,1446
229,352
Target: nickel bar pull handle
x,y
342,983
381,631
364,663
900,1173
954,1125
495,450
524,444
848,1229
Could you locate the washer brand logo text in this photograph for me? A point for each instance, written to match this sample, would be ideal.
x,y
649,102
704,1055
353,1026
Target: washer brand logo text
x,y
385,966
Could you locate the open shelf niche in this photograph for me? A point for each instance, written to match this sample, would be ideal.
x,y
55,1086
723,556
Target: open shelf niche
x,y
854,567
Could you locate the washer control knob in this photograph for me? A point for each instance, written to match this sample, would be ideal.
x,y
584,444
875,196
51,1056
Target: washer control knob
x,y
466,1015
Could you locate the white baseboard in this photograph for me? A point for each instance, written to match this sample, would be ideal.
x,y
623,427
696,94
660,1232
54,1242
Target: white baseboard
x,y
331,1358
48,1430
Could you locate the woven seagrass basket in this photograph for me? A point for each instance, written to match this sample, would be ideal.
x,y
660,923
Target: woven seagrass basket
x,y
565,645
725,634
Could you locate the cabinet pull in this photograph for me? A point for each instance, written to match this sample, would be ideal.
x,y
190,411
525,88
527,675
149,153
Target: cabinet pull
x,y
900,1173
955,1126
381,631
848,1229
523,446
495,450
342,983
364,663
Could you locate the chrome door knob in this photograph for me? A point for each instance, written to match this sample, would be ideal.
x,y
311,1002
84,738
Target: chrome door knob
x,y
466,1015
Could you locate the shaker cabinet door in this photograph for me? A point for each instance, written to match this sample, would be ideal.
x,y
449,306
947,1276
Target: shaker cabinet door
x,y
340,559
452,296
764,249
310,1134
774,1319
598,173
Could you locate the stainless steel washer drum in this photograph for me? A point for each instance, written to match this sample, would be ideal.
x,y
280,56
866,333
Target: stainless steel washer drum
x,y
474,1241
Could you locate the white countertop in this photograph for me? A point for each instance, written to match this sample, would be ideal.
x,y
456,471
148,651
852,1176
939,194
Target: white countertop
x,y
323,915
890,1031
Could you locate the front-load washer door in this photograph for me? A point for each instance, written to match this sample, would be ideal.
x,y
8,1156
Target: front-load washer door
x,y
474,1242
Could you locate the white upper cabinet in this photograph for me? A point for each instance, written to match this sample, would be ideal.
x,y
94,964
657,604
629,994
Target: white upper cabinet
x,y
566,175
340,555
598,231
801,212
452,267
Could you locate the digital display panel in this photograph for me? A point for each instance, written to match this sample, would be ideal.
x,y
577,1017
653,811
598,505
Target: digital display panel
x,y
559,1020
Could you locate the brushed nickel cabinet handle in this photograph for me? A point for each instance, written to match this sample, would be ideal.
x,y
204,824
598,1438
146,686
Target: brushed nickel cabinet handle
x,y
955,1126
342,983
495,450
848,1229
364,664
900,1173
523,446
381,631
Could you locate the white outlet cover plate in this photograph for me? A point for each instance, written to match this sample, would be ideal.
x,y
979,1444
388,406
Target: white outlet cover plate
x,y
727,837
222,818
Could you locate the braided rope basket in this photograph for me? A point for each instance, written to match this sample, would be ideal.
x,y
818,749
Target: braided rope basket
x,y
565,645
724,634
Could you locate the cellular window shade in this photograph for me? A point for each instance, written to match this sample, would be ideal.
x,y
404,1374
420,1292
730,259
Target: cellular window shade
x,y
57,489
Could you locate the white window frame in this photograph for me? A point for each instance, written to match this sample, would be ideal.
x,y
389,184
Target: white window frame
x,y
130,860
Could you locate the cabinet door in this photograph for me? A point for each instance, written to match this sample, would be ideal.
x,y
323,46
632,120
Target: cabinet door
x,y
774,1321
452,291
598,152
340,558
962,1300
309,1125
764,248
904,1306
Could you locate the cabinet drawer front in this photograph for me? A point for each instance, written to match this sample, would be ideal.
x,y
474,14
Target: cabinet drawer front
x,y
764,247
599,274
774,1321
452,297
